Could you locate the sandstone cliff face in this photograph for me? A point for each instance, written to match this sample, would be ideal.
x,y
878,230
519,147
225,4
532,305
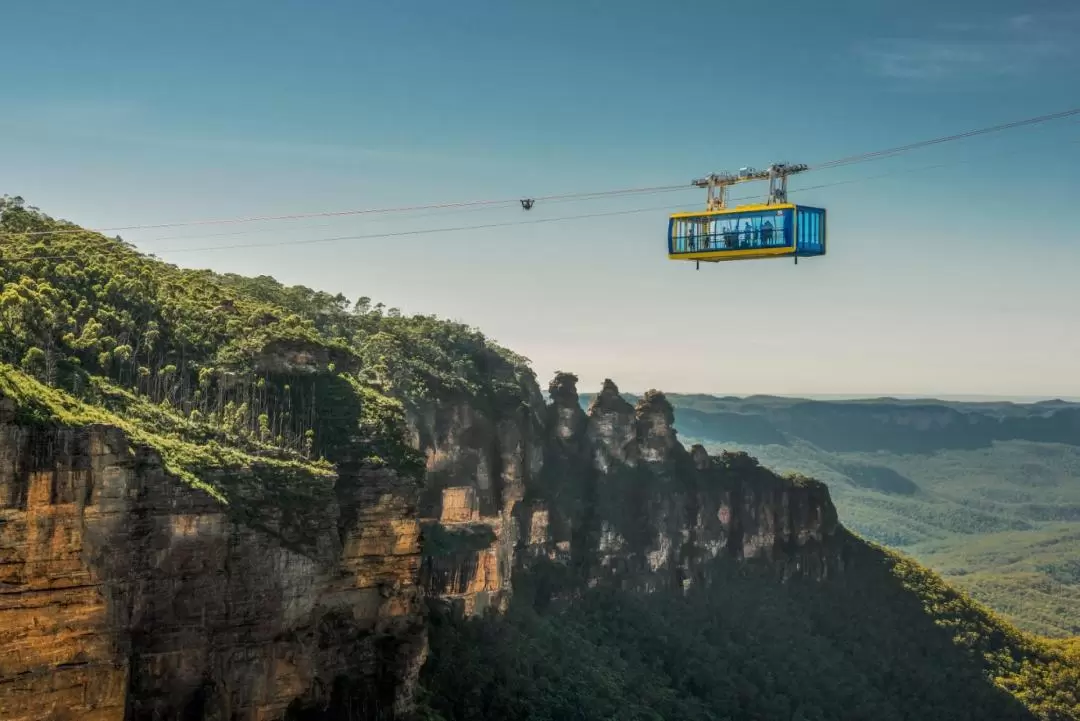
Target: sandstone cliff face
x,y
126,594
480,463
611,493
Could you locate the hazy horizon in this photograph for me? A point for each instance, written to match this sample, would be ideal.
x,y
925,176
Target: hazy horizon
x,y
947,397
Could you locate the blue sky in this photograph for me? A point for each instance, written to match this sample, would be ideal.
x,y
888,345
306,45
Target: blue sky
x,y
954,279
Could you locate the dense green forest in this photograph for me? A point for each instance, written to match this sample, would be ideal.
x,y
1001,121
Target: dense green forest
x,y
985,493
220,370
886,641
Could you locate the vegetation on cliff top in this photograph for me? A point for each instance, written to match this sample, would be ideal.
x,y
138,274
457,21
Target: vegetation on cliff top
x,y
221,372
887,640
188,450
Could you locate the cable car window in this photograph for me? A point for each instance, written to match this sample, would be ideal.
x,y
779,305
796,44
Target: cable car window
x,y
731,230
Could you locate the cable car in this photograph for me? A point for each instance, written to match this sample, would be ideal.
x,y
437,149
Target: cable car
x,y
773,229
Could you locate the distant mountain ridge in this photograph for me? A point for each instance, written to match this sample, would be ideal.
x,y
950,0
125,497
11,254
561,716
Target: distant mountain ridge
x,y
958,402
875,424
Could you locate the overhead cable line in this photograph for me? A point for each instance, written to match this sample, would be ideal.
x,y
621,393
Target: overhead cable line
x,y
436,213
863,157
840,162
459,211
374,211
485,226
511,223
371,236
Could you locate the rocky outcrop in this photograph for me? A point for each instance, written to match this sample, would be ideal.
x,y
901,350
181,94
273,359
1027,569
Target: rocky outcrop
x,y
659,514
126,594
613,494
480,461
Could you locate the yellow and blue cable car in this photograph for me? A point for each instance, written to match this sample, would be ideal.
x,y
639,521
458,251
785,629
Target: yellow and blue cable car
x,y
774,229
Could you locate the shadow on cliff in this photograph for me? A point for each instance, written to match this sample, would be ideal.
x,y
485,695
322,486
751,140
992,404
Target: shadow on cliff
x,y
878,478
651,581
731,428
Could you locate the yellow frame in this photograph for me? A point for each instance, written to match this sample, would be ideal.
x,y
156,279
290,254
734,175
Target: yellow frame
x,y
719,256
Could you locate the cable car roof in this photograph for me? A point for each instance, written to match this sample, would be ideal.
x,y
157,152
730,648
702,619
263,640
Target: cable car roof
x,y
750,208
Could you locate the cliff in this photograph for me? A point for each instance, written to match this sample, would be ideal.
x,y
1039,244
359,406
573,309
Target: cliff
x,y
640,579
608,494
128,593
207,500
481,460
125,593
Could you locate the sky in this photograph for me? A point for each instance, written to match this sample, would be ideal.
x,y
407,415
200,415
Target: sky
x,y
952,270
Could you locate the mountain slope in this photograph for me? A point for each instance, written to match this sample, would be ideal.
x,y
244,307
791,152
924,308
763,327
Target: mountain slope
x,y
245,362
889,640
207,482
675,585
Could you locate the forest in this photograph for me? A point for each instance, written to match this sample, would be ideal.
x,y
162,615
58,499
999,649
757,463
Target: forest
x,y
888,641
222,369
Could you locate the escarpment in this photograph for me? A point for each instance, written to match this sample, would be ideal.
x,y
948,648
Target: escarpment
x,y
481,460
127,594
610,493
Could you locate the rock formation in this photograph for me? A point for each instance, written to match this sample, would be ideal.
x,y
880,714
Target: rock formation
x,y
127,594
614,494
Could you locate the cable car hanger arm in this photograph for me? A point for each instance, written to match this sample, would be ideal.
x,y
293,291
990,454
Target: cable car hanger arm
x,y
777,175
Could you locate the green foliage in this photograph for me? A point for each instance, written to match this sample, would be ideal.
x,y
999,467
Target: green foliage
x,y
190,452
417,358
228,377
1029,576
888,640
971,519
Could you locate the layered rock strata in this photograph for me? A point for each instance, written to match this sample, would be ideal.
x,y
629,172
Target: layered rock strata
x,y
126,594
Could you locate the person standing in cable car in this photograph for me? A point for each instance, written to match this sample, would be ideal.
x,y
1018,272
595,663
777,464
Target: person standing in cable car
x,y
731,237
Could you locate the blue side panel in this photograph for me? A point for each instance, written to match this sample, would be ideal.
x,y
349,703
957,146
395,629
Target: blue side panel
x,y
810,230
671,235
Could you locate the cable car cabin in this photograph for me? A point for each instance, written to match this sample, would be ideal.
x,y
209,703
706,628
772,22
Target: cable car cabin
x,y
748,232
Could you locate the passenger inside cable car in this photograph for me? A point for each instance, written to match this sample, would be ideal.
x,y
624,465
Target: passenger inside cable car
x,y
744,233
